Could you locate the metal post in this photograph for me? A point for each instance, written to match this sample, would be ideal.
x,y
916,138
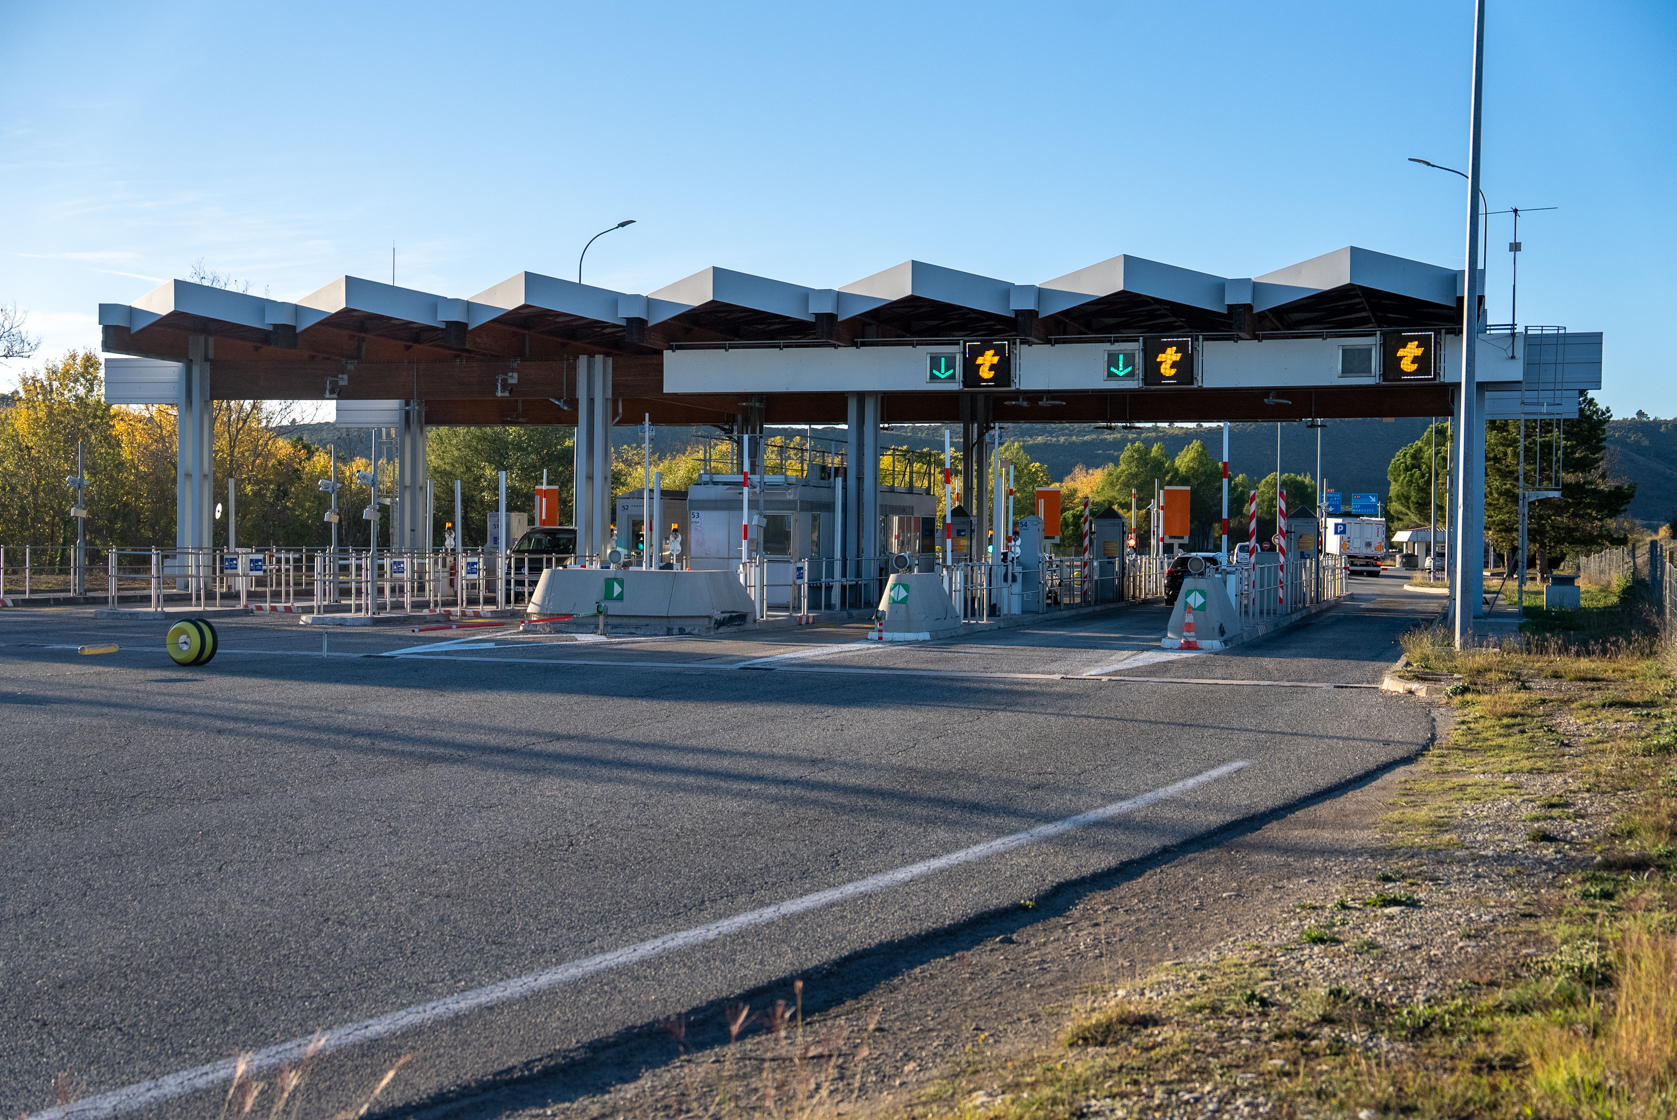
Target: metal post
x,y
501,555
1467,591
1226,483
869,538
372,535
81,522
460,551
654,523
1432,503
332,596
601,447
948,506
745,506
647,561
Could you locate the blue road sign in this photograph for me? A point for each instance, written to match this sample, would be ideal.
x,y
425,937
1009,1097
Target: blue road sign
x,y
472,565
256,565
1333,501
1365,505
230,564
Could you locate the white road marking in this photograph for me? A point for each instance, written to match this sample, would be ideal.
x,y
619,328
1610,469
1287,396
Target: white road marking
x,y
1137,660
814,651
147,1093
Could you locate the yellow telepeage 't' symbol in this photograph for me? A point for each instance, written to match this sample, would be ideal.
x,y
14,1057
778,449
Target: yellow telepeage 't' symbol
x,y
1168,360
987,365
1407,355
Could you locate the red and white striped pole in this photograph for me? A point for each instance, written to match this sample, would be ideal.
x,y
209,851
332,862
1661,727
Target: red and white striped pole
x,y
1088,540
1281,545
1252,529
948,506
745,501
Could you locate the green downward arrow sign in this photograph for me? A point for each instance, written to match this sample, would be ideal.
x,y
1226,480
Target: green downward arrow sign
x,y
940,367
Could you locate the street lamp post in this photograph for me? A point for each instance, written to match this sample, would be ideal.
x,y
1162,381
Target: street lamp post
x,y
596,237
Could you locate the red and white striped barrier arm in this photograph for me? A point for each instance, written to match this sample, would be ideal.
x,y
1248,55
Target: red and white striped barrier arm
x,y
1281,546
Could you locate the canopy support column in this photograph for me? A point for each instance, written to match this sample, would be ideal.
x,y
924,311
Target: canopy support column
x,y
411,505
195,460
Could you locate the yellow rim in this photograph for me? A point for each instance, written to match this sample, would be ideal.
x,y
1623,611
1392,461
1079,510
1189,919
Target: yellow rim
x,y
185,642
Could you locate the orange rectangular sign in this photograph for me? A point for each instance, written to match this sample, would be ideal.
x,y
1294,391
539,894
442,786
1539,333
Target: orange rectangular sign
x,y
1048,508
547,507
1175,511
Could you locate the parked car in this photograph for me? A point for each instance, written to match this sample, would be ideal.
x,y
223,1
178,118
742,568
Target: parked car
x,y
1178,571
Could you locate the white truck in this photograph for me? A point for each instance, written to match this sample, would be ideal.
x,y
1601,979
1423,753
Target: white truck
x,y
1361,540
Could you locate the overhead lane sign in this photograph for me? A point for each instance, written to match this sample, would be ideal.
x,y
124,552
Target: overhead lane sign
x,y
942,368
987,365
1123,366
1168,361
1409,356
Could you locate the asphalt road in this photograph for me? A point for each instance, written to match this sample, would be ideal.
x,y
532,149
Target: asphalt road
x,y
199,861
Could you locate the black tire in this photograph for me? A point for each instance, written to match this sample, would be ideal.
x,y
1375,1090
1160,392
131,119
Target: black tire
x,y
210,641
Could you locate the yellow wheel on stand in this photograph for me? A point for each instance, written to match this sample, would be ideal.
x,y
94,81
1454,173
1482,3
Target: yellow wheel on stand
x,y
191,642
185,642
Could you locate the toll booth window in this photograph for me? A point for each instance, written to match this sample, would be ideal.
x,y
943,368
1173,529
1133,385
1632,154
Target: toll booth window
x,y
817,534
777,535
1356,361
928,534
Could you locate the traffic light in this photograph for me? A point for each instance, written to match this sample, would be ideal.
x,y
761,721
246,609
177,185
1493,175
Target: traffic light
x,y
987,365
1168,361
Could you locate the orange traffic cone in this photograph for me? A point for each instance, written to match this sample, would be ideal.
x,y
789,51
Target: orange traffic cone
x,y
1188,641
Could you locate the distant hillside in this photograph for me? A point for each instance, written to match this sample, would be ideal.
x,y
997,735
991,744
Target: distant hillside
x,y
1645,452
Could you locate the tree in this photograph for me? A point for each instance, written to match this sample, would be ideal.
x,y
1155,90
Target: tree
x,y
1583,516
59,405
1301,500
15,341
1411,474
476,455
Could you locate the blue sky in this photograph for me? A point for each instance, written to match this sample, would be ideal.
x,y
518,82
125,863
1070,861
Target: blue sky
x,y
289,143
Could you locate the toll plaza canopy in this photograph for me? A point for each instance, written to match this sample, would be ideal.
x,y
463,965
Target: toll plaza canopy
x,y
1349,333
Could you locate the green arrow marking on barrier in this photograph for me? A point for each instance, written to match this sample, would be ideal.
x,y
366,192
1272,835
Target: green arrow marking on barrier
x,y
1196,599
898,593
614,590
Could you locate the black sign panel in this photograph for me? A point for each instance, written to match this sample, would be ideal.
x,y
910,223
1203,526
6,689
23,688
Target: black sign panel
x,y
1409,356
1167,361
987,365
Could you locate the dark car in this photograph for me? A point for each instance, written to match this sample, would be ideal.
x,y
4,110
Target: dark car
x,y
558,543
538,550
1183,566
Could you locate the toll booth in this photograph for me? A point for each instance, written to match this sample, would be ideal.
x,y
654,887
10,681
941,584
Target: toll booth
x,y
960,522
1026,593
517,525
792,519
1109,540
631,533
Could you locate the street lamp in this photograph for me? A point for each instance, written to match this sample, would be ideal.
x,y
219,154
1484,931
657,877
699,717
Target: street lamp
x,y
596,237
1484,207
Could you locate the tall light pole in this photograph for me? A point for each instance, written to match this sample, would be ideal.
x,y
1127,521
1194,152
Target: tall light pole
x,y
1467,587
596,237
